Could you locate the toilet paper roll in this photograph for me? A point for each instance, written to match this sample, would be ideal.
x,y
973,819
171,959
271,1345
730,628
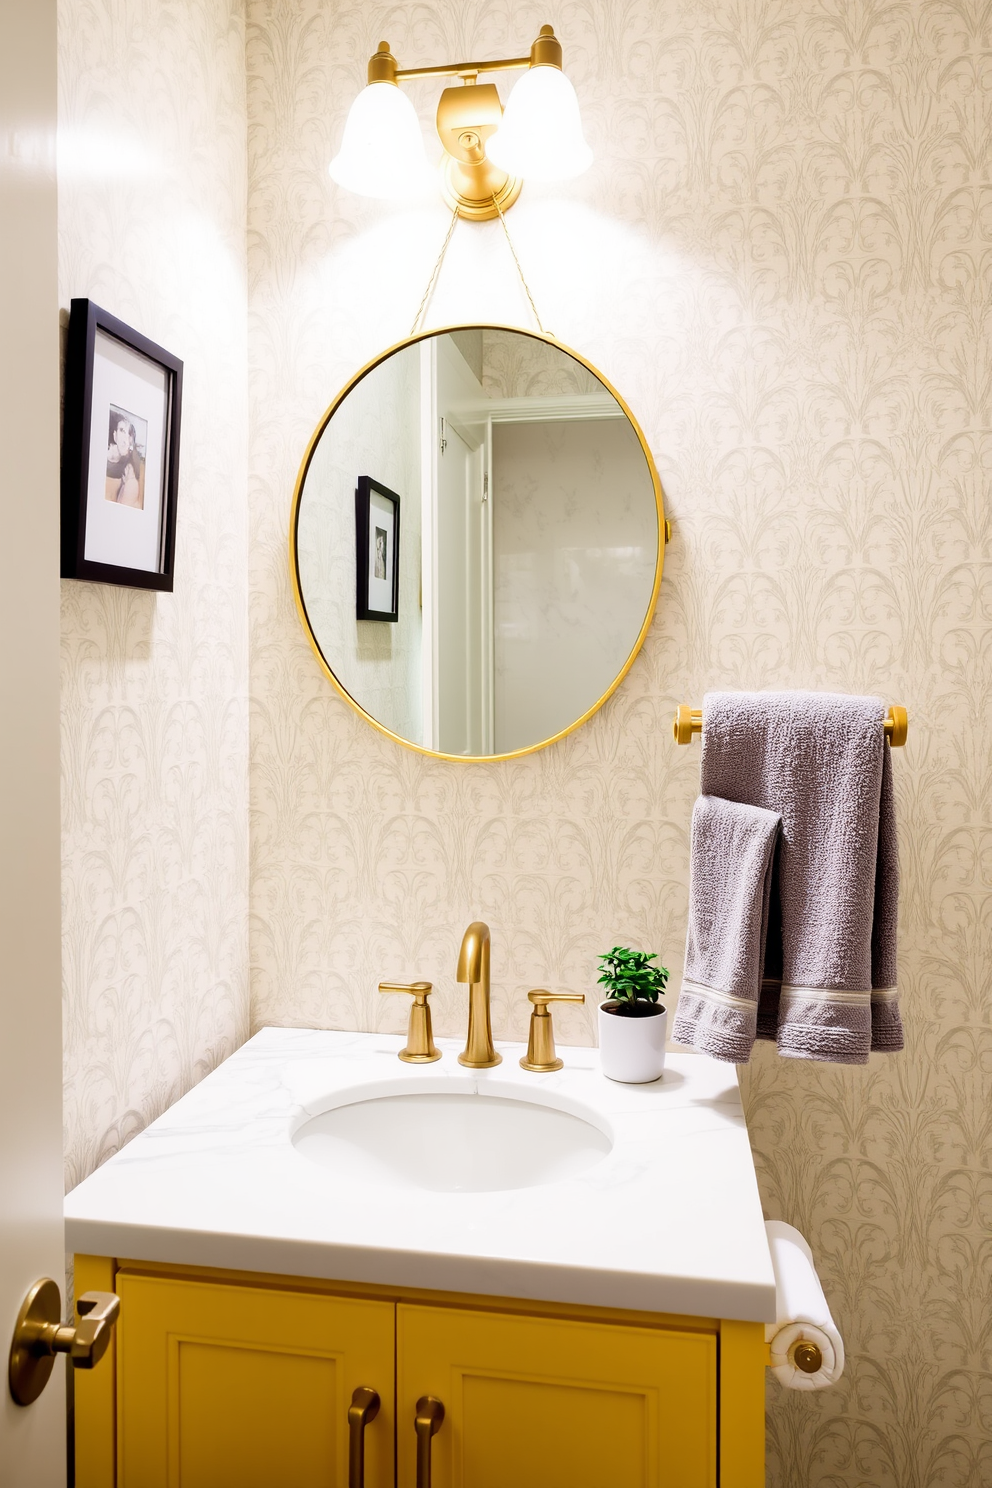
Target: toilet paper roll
x,y
802,1313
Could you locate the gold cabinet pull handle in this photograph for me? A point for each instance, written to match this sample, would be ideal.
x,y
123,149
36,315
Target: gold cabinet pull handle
x,y
430,1414
541,1056
364,1408
420,1046
39,1335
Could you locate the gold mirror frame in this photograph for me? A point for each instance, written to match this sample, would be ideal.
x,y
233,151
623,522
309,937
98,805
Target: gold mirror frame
x,y
294,567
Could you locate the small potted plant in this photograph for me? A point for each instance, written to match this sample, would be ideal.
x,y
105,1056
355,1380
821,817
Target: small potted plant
x,y
632,1022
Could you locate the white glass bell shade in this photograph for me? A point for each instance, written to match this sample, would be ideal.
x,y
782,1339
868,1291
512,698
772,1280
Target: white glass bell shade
x,y
382,150
540,136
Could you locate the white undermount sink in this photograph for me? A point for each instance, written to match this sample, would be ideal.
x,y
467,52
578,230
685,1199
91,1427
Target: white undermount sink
x,y
453,1140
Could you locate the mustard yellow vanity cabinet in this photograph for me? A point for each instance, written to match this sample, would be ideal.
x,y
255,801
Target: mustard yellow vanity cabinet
x,y
230,1380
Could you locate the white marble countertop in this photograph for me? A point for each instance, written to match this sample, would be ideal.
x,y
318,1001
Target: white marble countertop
x,y
668,1221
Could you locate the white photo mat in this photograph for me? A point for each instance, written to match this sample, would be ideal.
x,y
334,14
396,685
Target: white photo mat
x,y
380,579
124,535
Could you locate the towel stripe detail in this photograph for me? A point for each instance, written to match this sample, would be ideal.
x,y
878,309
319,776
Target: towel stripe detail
x,y
884,994
720,998
826,994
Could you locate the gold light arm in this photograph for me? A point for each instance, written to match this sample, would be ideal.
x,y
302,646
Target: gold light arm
x,y
459,69
541,1057
545,52
420,1046
689,721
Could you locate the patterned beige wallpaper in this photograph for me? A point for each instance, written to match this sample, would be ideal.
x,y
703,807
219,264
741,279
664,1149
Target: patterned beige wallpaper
x,y
781,257
154,688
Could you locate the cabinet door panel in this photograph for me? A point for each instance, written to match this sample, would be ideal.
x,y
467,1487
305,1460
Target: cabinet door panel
x,y
551,1403
242,1387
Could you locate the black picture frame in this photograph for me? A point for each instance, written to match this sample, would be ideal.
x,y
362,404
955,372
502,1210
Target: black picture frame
x,y
81,482
369,495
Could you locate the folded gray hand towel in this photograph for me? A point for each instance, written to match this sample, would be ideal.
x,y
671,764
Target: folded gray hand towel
x,y
730,875
821,762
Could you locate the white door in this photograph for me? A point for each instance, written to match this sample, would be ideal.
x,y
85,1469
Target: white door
x,y
32,1438
461,561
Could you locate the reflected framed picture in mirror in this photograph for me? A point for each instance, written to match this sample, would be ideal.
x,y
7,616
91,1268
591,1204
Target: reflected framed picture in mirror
x,y
377,534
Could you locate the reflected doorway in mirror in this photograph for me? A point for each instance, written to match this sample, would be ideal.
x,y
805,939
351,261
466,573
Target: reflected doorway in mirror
x,y
377,547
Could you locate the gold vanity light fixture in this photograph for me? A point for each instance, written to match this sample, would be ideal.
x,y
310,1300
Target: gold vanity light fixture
x,y
487,149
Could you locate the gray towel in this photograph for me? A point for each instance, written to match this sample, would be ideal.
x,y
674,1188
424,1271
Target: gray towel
x,y
821,762
730,876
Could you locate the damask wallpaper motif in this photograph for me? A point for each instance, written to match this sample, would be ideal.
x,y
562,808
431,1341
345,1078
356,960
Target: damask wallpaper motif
x,y
154,687
781,258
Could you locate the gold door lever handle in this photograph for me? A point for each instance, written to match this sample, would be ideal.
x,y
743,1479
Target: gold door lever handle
x,y
90,1338
541,1057
39,1335
430,1414
420,1046
364,1408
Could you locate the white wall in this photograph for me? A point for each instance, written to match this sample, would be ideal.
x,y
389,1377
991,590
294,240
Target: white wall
x,y
154,687
575,539
375,432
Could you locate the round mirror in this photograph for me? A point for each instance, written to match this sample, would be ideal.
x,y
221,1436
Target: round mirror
x,y
477,541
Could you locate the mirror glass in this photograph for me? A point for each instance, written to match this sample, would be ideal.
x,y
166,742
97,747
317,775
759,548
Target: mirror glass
x,y
477,541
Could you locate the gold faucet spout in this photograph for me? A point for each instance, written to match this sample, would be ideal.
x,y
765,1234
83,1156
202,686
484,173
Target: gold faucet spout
x,y
473,967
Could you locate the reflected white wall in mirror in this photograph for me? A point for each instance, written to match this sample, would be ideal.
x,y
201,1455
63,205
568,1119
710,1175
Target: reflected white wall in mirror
x,y
529,547
375,431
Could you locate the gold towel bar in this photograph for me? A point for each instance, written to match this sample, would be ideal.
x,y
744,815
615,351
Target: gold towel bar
x,y
689,721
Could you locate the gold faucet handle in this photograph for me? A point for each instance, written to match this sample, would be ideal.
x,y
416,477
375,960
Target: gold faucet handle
x,y
420,1046
541,1057
418,990
540,998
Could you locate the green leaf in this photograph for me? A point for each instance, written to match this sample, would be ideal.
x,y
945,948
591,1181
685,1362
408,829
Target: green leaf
x,y
630,977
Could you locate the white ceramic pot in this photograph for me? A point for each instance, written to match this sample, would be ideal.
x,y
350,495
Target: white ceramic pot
x,y
632,1050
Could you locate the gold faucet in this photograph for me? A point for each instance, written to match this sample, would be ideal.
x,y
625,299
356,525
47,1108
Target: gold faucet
x,y
473,967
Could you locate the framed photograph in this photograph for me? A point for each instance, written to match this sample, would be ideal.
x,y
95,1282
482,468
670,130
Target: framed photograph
x,y
120,453
377,534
